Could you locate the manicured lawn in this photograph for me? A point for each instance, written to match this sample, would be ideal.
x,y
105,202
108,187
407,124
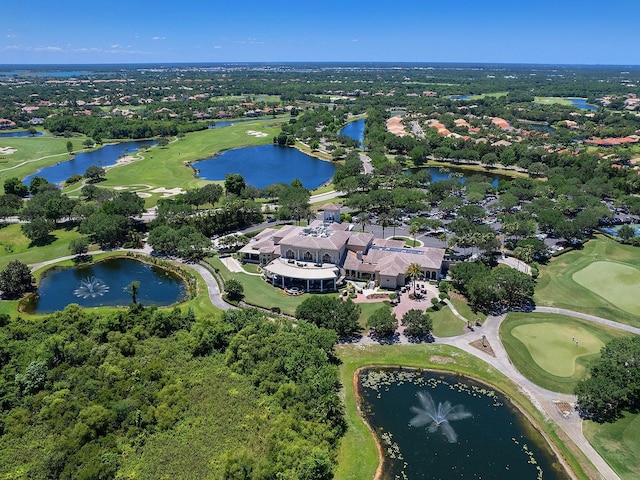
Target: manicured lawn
x,y
38,152
541,346
488,95
550,100
165,166
465,310
367,310
617,283
258,292
358,458
408,242
593,291
618,443
445,323
15,246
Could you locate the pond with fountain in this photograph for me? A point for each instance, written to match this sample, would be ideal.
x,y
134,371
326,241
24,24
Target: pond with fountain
x,y
433,425
107,283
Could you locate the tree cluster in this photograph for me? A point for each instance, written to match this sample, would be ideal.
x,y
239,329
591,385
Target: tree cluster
x,y
89,391
492,289
613,384
330,313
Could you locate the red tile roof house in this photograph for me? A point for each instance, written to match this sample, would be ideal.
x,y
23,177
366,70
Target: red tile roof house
x,y
5,123
610,142
501,123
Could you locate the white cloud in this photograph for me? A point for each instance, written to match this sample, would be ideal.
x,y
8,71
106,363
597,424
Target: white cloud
x,y
48,48
158,38
115,45
24,48
217,46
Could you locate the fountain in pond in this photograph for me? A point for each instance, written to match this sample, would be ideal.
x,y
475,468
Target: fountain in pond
x,y
433,417
91,287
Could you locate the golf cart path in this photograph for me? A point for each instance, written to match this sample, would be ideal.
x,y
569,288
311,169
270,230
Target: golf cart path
x,y
546,401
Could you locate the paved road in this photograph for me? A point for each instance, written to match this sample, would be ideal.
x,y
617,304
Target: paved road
x,y
366,163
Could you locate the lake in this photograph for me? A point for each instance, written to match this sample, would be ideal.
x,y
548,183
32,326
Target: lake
x,y
354,130
104,284
581,103
105,156
459,97
478,435
23,133
265,165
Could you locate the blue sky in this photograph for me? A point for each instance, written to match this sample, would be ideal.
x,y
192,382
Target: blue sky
x,y
144,31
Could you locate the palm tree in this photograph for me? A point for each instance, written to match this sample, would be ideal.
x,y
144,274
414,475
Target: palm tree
x,y
362,219
395,216
414,229
384,221
132,289
414,270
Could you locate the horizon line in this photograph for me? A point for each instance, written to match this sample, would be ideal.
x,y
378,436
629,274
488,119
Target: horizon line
x,y
322,62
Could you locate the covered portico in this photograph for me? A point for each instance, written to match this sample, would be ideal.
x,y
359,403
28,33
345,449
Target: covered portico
x,y
311,277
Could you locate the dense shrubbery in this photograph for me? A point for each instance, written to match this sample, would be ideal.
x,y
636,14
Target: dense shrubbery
x,y
84,389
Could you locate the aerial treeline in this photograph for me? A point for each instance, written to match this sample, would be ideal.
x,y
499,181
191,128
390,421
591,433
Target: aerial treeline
x,y
118,127
103,395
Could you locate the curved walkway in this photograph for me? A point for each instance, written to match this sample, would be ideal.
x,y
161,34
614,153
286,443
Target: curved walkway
x,y
544,400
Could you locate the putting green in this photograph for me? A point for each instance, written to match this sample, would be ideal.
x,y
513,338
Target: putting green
x,y
615,282
553,348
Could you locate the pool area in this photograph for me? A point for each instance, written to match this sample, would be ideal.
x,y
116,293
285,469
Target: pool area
x,y
614,230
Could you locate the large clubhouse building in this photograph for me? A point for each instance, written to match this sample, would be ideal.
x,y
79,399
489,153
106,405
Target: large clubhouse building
x,y
318,258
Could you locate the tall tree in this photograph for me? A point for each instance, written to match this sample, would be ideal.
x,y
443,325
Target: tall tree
x,y
383,322
16,280
234,184
414,271
418,324
414,229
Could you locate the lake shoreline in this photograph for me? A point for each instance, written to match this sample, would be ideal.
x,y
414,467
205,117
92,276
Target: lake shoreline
x,y
532,422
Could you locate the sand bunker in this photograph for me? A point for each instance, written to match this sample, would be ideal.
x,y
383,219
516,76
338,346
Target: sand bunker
x,y
143,194
168,192
9,150
256,134
125,160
